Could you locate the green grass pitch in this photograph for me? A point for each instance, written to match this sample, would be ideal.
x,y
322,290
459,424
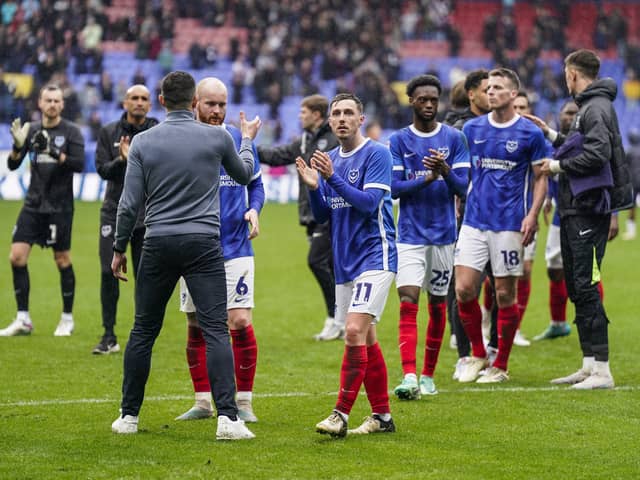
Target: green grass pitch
x,y
57,401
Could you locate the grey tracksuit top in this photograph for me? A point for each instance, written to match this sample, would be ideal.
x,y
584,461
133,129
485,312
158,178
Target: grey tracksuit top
x,y
173,172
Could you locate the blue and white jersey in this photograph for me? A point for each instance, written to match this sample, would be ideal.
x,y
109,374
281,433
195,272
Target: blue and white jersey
x,y
501,159
235,200
361,241
427,215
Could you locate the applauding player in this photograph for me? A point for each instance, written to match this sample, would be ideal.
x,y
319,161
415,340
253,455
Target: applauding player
x,y
355,193
56,149
430,166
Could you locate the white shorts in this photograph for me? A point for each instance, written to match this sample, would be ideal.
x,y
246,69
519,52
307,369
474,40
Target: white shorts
x,y
503,249
427,266
366,294
239,273
530,250
553,253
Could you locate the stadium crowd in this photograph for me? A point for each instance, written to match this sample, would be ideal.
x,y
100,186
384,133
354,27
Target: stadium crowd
x,y
291,48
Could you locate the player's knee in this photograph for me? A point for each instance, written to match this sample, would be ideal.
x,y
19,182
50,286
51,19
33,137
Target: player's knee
x,y
192,319
505,297
464,293
437,299
17,259
62,259
239,321
405,298
555,275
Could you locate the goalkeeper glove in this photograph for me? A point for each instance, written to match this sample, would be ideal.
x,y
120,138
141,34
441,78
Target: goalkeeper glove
x,y
19,133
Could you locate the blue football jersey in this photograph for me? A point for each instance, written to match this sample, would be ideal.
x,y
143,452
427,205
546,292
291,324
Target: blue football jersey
x,y
501,159
234,201
361,241
427,216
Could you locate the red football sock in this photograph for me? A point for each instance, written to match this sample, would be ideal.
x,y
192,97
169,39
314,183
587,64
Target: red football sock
x,y
245,356
558,297
197,360
354,367
487,295
601,291
435,332
508,319
408,336
376,382
471,319
524,291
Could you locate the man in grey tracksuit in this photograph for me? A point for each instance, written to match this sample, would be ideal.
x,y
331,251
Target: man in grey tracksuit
x,y
173,169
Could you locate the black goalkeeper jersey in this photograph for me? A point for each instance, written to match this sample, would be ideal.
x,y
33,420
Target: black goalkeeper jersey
x,y
51,186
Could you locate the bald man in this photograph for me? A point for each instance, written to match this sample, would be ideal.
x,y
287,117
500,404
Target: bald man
x,y
240,207
111,163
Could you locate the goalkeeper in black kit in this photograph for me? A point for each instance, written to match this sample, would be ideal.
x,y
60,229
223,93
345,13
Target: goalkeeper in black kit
x,y
55,149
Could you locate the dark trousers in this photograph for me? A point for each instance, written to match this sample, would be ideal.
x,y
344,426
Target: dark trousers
x,y
198,258
109,286
320,262
583,240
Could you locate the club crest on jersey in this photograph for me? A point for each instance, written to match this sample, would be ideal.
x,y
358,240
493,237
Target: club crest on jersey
x,y
444,151
512,146
354,174
58,141
322,144
105,230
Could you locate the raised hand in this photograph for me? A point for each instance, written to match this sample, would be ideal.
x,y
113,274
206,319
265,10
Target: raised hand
x,y
19,133
249,128
308,175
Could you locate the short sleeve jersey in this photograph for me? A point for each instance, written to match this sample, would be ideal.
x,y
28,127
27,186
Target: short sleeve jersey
x,y
234,234
427,216
501,159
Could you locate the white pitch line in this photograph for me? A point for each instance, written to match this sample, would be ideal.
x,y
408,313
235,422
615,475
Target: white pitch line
x,y
165,398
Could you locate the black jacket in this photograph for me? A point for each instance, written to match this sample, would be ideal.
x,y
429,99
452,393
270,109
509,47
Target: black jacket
x,y
597,121
109,165
51,185
322,139
461,118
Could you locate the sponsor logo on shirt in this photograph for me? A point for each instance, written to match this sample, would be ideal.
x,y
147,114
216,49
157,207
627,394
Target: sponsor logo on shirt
x,y
338,202
498,164
227,181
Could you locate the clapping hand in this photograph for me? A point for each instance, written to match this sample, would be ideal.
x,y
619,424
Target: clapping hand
x,y
322,163
308,175
125,143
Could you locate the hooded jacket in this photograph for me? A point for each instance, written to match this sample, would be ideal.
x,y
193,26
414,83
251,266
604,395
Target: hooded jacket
x,y
597,122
